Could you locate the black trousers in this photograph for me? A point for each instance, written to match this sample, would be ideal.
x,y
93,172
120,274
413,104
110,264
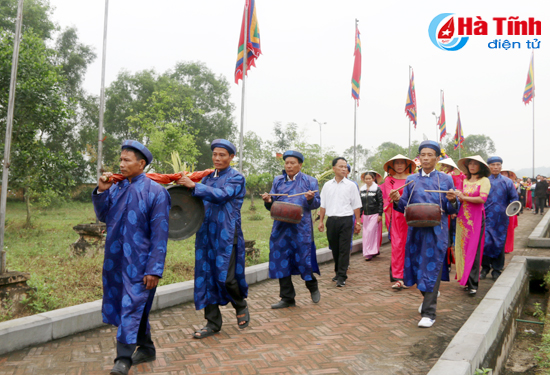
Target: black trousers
x,y
144,342
212,312
473,278
522,200
541,202
429,305
497,264
339,235
287,292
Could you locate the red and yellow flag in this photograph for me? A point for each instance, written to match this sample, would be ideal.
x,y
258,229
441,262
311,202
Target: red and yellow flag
x,y
253,48
410,106
356,76
459,135
529,92
442,122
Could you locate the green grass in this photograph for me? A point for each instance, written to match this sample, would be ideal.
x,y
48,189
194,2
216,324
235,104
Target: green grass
x,y
61,280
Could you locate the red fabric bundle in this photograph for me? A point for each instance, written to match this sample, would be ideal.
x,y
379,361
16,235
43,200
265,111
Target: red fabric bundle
x,y
167,178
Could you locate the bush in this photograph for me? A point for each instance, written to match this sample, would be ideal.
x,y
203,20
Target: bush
x,y
84,195
255,217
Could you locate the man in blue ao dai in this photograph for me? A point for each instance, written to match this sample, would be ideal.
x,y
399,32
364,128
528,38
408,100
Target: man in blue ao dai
x,y
219,244
292,248
136,211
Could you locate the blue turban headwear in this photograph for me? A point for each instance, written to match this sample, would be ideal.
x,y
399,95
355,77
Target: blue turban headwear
x,y
430,144
296,154
349,168
224,143
141,148
494,159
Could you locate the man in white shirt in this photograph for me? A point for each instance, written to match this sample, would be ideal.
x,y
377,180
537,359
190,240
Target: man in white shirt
x,y
340,200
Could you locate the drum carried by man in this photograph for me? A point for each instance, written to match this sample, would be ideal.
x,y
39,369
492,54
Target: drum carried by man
x,y
292,248
428,198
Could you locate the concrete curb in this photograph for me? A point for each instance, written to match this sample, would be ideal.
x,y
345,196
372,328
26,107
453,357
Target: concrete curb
x,y
40,328
537,237
470,346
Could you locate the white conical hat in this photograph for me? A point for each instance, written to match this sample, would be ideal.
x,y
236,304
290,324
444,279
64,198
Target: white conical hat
x,y
379,178
388,167
448,161
511,174
462,165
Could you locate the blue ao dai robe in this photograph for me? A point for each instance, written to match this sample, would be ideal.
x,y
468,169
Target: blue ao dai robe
x,y
292,248
502,194
426,248
137,216
223,198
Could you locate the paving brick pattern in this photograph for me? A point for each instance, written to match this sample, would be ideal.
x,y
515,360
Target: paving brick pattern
x,y
363,328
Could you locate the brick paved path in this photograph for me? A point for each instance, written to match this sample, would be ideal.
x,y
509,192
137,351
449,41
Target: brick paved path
x,y
363,328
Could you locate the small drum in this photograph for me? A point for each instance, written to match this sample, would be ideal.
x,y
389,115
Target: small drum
x,y
423,215
513,208
287,212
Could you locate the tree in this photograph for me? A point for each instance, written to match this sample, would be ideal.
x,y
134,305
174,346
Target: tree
x,y
480,144
36,17
362,154
255,155
258,184
210,95
40,121
163,129
385,152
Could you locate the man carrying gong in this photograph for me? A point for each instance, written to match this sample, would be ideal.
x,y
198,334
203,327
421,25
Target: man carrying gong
x,y
426,247
292,248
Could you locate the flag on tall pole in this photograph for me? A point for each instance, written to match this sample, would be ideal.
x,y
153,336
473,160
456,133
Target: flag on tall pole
x,y
252,40
459,135
442,122
356,76
410,106
529,92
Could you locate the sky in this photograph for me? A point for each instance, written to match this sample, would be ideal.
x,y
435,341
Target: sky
x,y
304,72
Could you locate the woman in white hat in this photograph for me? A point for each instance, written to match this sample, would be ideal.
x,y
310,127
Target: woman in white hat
x,y
371,213
470,226
449,167
398,168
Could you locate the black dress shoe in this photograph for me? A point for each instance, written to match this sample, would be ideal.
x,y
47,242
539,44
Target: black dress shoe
x,y
483,275
495,276
316,296
340,283
121,367
335,278
141,356
283,305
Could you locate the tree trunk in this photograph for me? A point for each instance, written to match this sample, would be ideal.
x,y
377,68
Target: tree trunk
x,y
252,200
26,194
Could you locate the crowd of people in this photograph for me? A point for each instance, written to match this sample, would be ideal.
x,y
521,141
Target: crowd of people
x,y
437,212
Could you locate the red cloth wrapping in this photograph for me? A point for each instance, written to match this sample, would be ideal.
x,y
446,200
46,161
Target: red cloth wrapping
x,y
512,225
167,178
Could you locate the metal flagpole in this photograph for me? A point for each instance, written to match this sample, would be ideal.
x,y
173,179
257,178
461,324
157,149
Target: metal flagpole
x,y
102,93
409,119
459,135
533,114
354,138
245,56
9,128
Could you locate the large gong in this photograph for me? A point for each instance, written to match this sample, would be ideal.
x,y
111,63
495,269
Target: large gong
x,y
186,214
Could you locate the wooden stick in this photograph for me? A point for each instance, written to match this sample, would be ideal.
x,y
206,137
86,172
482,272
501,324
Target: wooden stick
x,y
389,204
436,191
278,195
295,195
